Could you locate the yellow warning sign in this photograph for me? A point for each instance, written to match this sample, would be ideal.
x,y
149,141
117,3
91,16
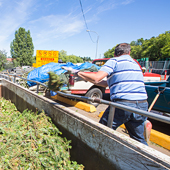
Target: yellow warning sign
x,y
44,57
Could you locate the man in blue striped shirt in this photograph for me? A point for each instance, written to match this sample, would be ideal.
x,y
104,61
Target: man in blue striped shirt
x,y
125,80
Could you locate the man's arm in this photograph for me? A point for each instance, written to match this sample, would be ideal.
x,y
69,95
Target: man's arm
x,y
95,78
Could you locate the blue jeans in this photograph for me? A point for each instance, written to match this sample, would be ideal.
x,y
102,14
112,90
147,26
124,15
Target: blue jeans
x,y
134,122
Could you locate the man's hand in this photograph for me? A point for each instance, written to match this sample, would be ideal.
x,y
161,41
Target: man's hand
x,y
95,77
70,70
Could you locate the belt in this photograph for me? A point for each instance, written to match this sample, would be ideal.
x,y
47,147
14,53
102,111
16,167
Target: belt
x,y
130,101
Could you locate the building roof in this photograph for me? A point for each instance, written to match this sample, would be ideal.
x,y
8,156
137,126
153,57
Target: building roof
x,y
9,59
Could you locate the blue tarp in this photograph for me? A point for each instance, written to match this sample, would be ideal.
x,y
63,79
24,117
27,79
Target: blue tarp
x,y
40,74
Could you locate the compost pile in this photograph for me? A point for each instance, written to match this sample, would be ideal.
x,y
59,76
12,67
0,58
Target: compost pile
x,y
56,81
23,82
30,140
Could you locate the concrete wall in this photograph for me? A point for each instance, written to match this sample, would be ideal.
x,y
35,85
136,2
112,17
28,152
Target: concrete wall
x,y
96,146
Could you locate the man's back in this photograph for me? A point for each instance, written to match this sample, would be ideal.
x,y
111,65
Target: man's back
x,y
125,78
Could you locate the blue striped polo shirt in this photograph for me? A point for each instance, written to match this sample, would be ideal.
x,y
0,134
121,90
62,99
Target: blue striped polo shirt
x,y
125,78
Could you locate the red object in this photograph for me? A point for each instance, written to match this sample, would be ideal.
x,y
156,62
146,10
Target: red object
x,y
71,79
147,130
107,91
84,91
78,91
148,125
147,74
165,74
9,59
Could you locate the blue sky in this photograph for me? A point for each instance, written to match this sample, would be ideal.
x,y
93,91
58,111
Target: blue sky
x,y
59,24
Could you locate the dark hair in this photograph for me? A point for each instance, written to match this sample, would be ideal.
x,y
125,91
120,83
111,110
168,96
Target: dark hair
x,y
123,48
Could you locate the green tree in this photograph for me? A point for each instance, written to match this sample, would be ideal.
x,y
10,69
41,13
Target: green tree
x,y
150,49
69,58
110,53
164,45
62,55
79,60
22,47
86,59
16,63
136,51
155,48
34,59
166,51
3,61
136,48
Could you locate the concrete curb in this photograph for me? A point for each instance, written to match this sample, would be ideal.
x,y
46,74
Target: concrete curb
x,y
159,138
156,137
81,105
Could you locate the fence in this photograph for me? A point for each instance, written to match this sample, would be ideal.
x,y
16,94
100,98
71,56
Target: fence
x,y
158,67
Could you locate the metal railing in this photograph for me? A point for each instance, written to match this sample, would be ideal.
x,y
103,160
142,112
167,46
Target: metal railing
x,y
12,77
156,66
112,105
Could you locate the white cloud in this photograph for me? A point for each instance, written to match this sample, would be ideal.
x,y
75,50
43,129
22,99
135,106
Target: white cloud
x,y
13,15
46,26
55,26
126,2
106,6
111,4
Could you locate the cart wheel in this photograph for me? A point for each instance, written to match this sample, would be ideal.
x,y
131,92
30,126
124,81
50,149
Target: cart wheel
x,y
94,93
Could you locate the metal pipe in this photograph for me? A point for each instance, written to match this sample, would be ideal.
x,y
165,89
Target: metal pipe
x,y
111,116
24,79
120,106
38,83
37,88
14,79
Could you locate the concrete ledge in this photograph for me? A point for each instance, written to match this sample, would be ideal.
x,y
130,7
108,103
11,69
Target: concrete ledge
x,y
155,136
80,105
94,145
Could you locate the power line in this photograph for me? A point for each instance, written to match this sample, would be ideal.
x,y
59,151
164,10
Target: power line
x,y
85,20
83,14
